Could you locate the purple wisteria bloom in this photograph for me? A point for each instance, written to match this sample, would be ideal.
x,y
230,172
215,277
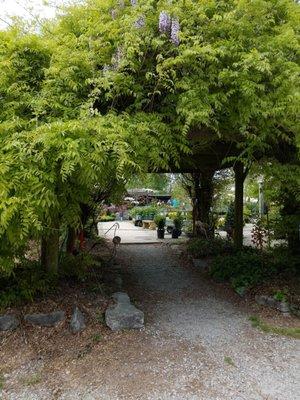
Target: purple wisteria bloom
x,y
164,24
140,22
175,29
114,13
106,67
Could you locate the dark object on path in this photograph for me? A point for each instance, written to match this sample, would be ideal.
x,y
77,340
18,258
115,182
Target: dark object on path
x,y
176,233
77,323
160,233
8,322
123,314
116,240
51,319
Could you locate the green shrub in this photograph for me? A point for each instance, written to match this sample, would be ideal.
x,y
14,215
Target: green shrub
x,y
160,221
178,221
108,218
243,269
76,267
285,262
200,247
27,282
145,212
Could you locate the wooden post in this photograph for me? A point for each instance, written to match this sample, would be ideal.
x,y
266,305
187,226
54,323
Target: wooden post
x,y
196,199
240,176
206,195
203,194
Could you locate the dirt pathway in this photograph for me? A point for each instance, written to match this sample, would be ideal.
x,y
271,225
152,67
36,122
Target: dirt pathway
x,y
198,344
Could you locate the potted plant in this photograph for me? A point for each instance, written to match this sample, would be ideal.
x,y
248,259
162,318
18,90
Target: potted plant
x,y
177,230
160,221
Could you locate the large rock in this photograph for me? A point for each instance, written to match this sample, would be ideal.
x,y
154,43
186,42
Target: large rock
x,y
123,314
77,323
51,319
270,301
8,322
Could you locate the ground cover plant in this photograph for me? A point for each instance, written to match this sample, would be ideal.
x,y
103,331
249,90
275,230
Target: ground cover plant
x,y
251,267
201,247
279,330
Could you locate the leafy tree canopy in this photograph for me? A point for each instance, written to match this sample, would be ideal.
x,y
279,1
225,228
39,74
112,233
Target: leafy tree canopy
x,y
112,87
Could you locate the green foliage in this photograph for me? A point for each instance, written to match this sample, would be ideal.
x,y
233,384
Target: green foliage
x,y
32,380
108,218
74,116
280,295
96,337
78,266
26,283
250,267
178,221
278,330
259,235
145,212
159,182
29,281
200,247
284,261
250,211
160,221
229,361
229,218
243,269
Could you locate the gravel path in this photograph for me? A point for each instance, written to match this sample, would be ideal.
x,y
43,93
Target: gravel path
x,y
181,306
198,344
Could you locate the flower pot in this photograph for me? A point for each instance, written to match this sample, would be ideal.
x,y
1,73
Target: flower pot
x,y
175,233
160,233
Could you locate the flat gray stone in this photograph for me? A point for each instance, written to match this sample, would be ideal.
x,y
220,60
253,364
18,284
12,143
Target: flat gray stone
x,y
8,322
51,319
269,301
123,314
295,310
283,306
121,297
77,323
262,300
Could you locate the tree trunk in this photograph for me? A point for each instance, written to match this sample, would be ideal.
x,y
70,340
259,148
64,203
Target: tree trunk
x,y
50,250
240,176
291,212
206,196
203,193
71,240
196,200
